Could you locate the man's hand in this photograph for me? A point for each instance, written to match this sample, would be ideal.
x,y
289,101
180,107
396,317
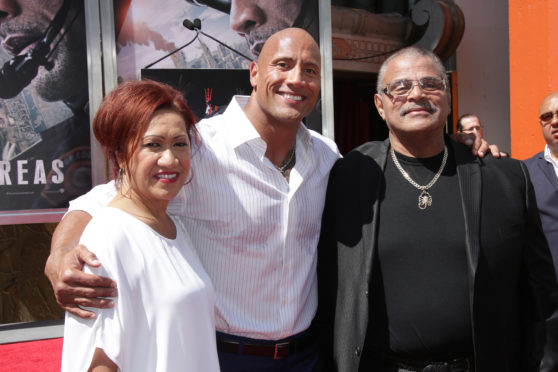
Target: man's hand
x,y
478,145
72,287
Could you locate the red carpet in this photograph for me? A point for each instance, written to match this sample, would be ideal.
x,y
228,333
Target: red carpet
x,y
43,355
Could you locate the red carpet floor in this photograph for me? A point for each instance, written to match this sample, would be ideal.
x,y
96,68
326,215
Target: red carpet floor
x,y
43,355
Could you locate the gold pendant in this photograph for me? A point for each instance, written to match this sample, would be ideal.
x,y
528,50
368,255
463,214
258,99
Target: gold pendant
x,y
424,200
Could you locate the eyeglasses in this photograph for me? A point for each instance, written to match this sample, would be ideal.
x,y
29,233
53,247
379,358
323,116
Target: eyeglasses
x,y
401,88
547,117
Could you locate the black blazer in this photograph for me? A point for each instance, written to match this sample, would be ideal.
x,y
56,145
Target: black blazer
x,y
513,289
545,183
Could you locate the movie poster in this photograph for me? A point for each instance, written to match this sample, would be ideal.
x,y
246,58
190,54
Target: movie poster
x,y
149,30
44,120
153,29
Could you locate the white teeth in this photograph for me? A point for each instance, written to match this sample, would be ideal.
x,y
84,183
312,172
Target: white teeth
x,y
167,176
290,96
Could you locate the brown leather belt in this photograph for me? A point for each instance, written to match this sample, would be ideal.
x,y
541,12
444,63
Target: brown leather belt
x,y
274,350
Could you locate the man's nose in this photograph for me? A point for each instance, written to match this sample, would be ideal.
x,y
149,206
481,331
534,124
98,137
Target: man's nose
x,y
246,16
8,9
295,75
416,91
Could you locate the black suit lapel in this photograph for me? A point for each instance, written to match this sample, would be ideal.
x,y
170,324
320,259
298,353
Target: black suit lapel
x,y
469,175
370,230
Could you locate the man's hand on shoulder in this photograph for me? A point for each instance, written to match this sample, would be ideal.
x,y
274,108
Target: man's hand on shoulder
x,y
478,145
72,287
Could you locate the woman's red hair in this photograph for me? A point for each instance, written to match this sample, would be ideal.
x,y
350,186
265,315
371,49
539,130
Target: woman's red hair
x,y
126,112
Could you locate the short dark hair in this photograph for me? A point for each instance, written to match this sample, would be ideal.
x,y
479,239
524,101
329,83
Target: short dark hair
x,y
126,112
459,121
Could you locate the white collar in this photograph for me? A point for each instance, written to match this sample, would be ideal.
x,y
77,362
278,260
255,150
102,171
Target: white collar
x,y
549,158
243,131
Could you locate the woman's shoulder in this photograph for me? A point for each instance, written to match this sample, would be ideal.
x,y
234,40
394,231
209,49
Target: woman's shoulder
x,y
112,228
108,219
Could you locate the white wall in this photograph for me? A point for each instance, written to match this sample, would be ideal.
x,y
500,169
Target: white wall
x,y
483,68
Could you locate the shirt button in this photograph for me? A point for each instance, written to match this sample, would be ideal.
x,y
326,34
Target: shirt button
x,y
357,351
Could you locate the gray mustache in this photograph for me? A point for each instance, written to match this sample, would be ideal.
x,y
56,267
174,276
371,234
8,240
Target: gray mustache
x,y
431,109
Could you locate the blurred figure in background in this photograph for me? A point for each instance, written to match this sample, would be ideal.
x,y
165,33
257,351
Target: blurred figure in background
x,y
543,168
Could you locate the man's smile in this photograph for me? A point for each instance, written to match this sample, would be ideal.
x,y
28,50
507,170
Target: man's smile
x,y
294,97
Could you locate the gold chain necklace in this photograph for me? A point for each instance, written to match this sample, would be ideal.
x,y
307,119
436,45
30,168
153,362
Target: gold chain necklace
x,y
424,199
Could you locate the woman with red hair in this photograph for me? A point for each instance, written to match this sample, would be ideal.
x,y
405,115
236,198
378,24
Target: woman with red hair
x,y
162,319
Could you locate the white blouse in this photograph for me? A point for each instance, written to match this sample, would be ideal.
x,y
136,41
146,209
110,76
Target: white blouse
x,y
163,318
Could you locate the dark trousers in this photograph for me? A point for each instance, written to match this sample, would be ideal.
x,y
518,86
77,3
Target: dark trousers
x,y
307,360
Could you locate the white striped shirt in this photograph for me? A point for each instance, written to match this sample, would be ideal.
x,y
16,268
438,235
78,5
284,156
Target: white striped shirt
x,y
255,233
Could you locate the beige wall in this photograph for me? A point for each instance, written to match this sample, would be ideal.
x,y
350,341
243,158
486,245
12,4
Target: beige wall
x,y
483,68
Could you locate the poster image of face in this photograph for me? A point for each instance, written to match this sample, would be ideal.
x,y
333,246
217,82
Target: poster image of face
x,y
147,30
44,120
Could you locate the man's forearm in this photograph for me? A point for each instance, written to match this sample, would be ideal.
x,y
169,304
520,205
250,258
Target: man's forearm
x,y
73,288
65,238
68,232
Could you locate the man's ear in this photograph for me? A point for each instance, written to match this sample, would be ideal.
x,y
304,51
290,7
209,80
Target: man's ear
x,y
253,74
379,105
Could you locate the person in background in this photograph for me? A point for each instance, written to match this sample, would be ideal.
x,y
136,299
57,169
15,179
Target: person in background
x,y
543,168
163,318
415,276
470,123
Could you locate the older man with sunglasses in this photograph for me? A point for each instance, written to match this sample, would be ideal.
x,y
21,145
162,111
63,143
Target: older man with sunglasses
x,y
431,259
543,168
